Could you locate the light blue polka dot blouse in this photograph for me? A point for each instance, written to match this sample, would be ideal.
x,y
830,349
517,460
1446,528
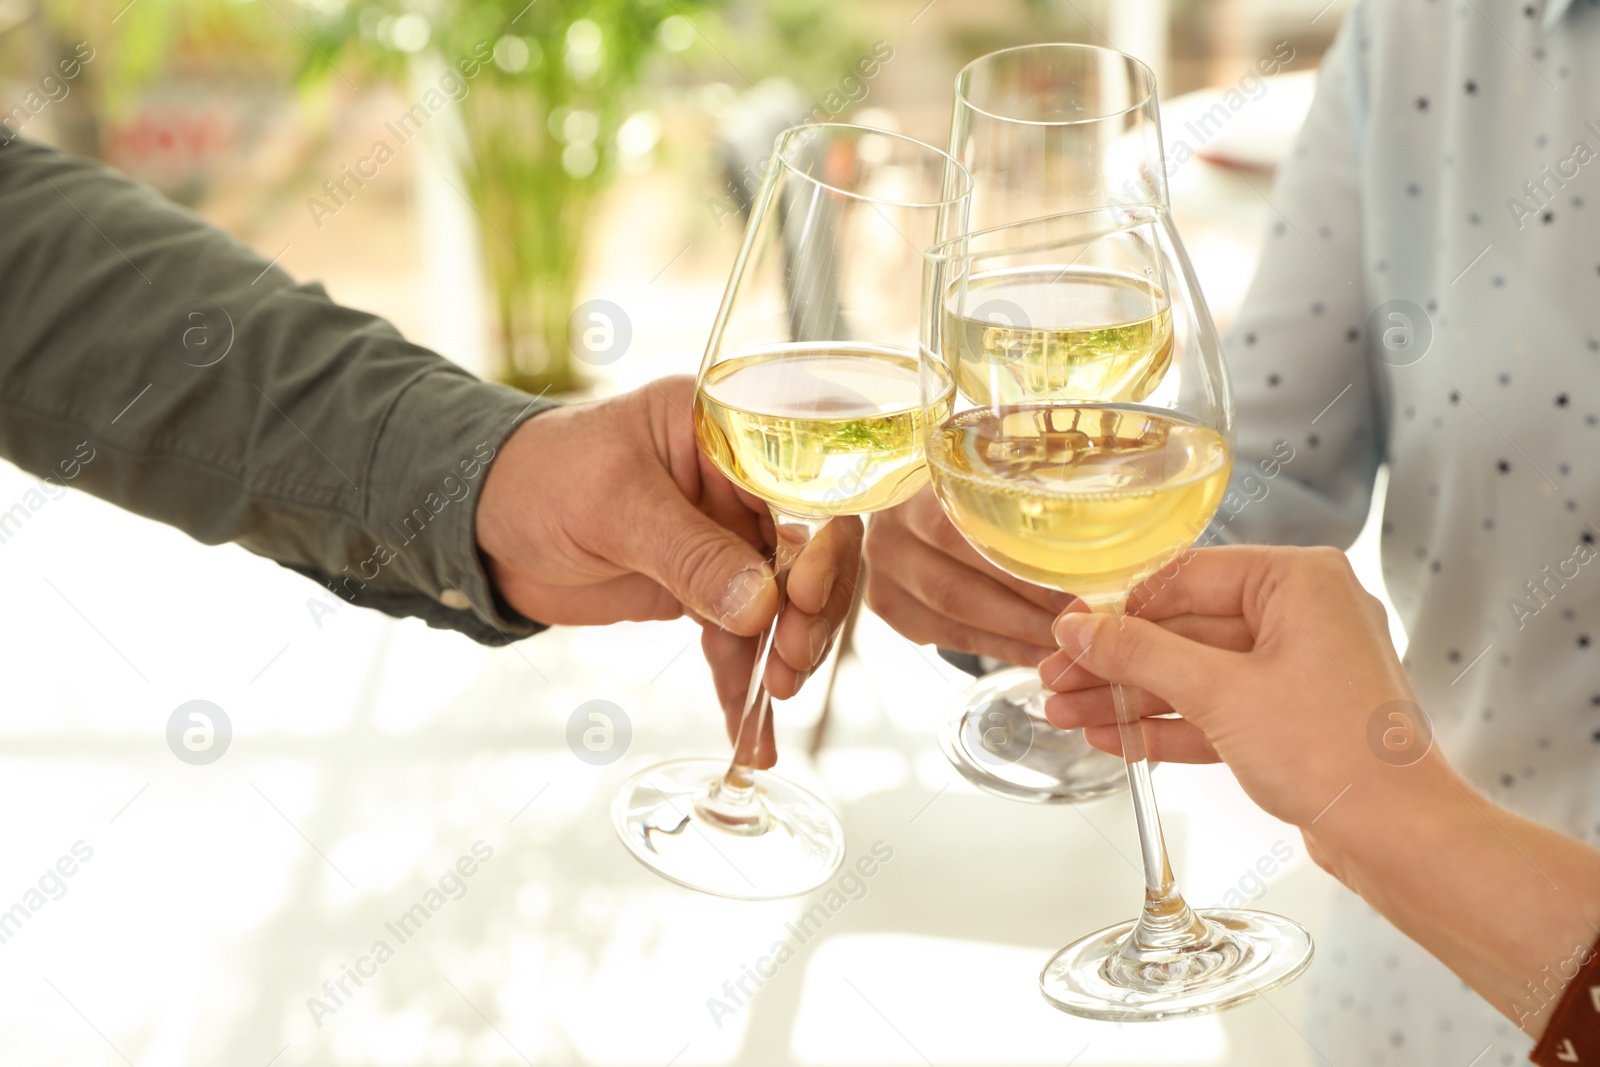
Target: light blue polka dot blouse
x,y
1429,298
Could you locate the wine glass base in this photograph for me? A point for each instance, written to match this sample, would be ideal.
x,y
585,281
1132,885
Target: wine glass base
x,y
791,845
1251,953
1001,747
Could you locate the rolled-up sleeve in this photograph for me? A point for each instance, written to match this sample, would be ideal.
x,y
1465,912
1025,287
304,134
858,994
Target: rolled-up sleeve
x,y
209,391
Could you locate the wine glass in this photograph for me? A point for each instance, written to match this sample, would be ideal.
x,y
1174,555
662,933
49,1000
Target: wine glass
x,y
1046,310
1092,497
809,397
1048,128
1044,129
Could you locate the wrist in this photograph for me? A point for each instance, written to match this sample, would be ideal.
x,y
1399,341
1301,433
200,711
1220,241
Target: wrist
x,y
1387,823
1505,903
498,526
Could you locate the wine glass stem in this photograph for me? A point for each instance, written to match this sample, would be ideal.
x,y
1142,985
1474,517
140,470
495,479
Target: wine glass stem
x,y
737,790
1166,922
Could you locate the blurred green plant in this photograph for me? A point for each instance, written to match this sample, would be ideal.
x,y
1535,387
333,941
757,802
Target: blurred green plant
x,y
551,109
554,97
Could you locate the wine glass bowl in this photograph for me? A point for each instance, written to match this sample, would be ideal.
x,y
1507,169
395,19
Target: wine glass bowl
x,y
1086,498
816,431
1049,128
1065,306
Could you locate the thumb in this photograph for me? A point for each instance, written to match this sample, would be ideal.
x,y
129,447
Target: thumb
x,y
1140,653
711,570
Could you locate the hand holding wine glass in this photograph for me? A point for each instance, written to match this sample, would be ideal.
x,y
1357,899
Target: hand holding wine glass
x,y
561,551
818,593
1280,664
1091,493
1223,637
934,588
810,400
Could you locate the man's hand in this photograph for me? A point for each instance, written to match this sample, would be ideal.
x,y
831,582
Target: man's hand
x,y
607,511
934,588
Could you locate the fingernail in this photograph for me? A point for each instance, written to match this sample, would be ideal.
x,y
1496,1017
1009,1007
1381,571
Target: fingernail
x,y
827,584
741,589
1074,632
819,640
1062,601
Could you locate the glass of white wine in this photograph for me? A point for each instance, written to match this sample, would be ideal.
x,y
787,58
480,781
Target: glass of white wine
x,y
1045,129
1070,307
810,397
1092,495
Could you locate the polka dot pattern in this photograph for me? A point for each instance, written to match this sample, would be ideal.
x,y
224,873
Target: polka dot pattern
x,y
1439,170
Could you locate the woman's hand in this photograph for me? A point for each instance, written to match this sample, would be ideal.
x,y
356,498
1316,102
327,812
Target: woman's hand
x,y
1279,663
1276,658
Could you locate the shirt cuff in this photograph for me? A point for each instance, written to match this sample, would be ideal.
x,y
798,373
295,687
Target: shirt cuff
x,y
427,471
1572,1034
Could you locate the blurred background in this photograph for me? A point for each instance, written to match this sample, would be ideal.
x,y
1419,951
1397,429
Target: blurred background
x,y
550,193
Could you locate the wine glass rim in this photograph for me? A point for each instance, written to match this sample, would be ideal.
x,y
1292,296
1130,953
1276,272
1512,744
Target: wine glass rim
x,y
951,165
1148,77
954,248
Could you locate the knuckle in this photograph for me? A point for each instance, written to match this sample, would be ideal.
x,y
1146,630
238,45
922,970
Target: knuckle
x,y
888,603
943,535
1331,561
944,595
1144,595
691,551
981,644
1112,649
915,630
1077,705
1374,607
663,606
878,591
882,537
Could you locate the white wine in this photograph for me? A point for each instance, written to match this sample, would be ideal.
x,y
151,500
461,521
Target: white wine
x,y
1089,499
819,429
1056,333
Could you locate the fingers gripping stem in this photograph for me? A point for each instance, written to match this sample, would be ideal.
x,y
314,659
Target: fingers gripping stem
x,y
793,535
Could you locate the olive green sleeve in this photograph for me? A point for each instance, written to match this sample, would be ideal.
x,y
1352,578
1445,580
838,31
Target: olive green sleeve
x,y
148,358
